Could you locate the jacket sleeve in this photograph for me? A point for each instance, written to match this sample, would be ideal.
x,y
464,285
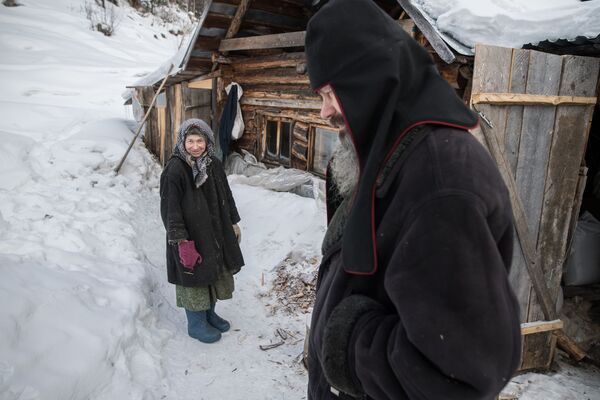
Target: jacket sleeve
x,y
171,193
454,332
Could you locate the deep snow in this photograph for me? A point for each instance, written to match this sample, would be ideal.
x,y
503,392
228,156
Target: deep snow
x,y
85,310
510,23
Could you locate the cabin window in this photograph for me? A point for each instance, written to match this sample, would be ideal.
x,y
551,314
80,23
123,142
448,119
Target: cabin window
x,y
278,140
326,140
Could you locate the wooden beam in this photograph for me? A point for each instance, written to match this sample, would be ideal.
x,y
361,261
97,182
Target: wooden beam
x,y
277,61
541,326
569,346
205,84
281,40
525,237
282,103
204,77
530,99
430,33
219,59
237,19
527,245
273,79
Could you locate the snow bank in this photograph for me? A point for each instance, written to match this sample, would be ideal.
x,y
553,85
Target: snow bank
x,y
510,23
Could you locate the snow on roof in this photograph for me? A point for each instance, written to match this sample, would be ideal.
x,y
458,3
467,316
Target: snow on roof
x,y
510,23
178,61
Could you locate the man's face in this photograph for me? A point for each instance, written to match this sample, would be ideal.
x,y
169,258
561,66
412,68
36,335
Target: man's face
x,y
331,110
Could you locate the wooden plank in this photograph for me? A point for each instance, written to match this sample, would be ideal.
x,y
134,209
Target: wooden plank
x,y
492,73
534,152
237,19
205,84
311,117
281,40
519,274
177,109
432,36
267,79
278,7
279,60
301,132
282,103
514,117
531,99
536,135
204,77
541,326
575,209
520,218
537,349
234,27
569,346
571,128
197,103
306,95
162,129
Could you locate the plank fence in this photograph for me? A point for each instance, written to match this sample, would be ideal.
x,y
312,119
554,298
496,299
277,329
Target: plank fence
x,y
539,107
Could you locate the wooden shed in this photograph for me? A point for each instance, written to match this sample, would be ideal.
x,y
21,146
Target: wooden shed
x,y
537,109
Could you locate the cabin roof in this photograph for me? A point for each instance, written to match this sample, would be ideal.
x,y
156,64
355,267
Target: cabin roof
x,y
539,24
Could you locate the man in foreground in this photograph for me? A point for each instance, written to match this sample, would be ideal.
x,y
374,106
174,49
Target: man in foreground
x,y
413,299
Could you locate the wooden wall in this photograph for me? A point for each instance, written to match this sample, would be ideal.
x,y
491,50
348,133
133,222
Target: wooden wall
x,y
544,147
275,86
161,127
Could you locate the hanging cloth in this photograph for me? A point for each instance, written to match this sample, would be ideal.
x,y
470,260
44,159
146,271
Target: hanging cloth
x,y
231,126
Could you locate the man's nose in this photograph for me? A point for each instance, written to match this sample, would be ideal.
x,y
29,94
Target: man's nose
x,y
327,110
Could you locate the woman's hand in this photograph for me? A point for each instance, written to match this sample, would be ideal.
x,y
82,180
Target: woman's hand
x,y
238,232
188,255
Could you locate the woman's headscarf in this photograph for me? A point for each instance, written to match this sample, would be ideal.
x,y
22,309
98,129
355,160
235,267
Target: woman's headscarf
x,y
199,165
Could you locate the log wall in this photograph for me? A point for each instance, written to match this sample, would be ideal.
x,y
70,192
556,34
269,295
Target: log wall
x,y
182,102
275,87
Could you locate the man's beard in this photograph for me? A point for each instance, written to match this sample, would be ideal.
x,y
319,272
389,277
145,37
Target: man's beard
x,y
344,165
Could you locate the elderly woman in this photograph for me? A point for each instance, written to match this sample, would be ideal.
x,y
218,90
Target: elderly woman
x,y
200,217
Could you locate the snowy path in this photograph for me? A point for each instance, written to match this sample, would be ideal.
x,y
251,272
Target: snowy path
x,y
85,309
235,367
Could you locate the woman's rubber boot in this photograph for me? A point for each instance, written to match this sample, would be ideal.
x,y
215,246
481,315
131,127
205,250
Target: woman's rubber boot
x,y
199,328
216,321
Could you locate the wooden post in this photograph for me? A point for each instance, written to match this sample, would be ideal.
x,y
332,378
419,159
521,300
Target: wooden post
x,y
236,23
118,168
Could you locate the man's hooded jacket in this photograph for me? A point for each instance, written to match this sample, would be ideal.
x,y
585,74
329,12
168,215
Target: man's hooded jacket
x,y
413,299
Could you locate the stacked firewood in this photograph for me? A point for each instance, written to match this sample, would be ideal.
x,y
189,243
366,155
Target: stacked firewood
x,y
294,284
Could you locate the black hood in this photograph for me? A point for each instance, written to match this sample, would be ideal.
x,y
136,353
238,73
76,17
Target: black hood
x,y
386,84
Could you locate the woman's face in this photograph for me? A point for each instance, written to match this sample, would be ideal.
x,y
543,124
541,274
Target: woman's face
x,y
195,145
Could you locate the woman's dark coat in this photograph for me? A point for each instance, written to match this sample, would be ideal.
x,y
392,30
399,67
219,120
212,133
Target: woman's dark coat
x,y
204,215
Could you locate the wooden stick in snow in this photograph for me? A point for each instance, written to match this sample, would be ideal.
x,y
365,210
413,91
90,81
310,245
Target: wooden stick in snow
x,y
144,120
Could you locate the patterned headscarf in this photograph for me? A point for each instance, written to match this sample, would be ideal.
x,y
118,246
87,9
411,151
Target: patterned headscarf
x,y
200,164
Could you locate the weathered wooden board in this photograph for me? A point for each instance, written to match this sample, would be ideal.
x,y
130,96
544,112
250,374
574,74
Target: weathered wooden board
x,y
544,146
281,40
572,124
514,118
492,73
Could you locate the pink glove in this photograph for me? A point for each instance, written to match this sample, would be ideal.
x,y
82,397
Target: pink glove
x,y
188,255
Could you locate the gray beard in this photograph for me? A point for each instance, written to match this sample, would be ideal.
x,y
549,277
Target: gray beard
x,y
344,166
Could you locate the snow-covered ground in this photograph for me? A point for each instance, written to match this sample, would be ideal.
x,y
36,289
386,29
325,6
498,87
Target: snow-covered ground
x,y
85,310
510,23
